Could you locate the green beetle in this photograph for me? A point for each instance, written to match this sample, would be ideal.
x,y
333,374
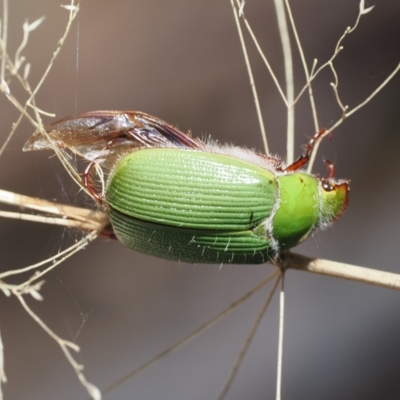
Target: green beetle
x,y
174,197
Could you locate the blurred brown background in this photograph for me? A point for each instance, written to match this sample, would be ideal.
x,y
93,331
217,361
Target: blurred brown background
x,y
181,61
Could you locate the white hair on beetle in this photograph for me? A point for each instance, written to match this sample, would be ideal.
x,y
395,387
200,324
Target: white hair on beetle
x,y
245,154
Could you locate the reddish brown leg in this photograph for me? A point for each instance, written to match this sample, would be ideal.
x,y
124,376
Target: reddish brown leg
x,y
303,159
87,183
274,161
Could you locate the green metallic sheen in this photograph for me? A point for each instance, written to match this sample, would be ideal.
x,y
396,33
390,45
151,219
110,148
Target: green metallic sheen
x,y
192,189
294,220
191,245
204,207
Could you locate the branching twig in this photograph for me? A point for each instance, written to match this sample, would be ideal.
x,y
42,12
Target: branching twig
x,y
250,73
247,342
194,334
96,221
67,216
66,346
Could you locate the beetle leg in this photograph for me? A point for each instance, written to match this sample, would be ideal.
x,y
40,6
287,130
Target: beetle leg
x,y
87,181
303,159
88,184
276,162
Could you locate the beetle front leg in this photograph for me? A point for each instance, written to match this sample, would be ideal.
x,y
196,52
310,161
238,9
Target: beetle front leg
x,y
304,158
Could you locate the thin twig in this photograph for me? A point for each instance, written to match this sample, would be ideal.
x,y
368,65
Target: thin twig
x,y
266,62
4,39
37,122
54,260
96,220
250,73
194,334
367,100
346,113
339,270
290,260
72,15
288,62
305,68
329,63
247,343
65,346
280,340
47,220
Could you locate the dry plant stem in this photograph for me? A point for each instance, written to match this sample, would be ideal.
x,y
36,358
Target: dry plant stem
x,y
4,37
305,68
37,123
363,103
369,98
70,252
72,15
329,63
311,76
288,61
55,260
339,270
252,84
13,68
66,346
98,220
82,218
294,261
347,113
18,60
27,287
248,341
280,340
267,64
194,334
47,220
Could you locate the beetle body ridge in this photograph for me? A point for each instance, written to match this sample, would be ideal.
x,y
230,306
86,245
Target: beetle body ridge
x,y
209,206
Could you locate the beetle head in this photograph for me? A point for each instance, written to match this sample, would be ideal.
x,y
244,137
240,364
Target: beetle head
x,y
334,197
